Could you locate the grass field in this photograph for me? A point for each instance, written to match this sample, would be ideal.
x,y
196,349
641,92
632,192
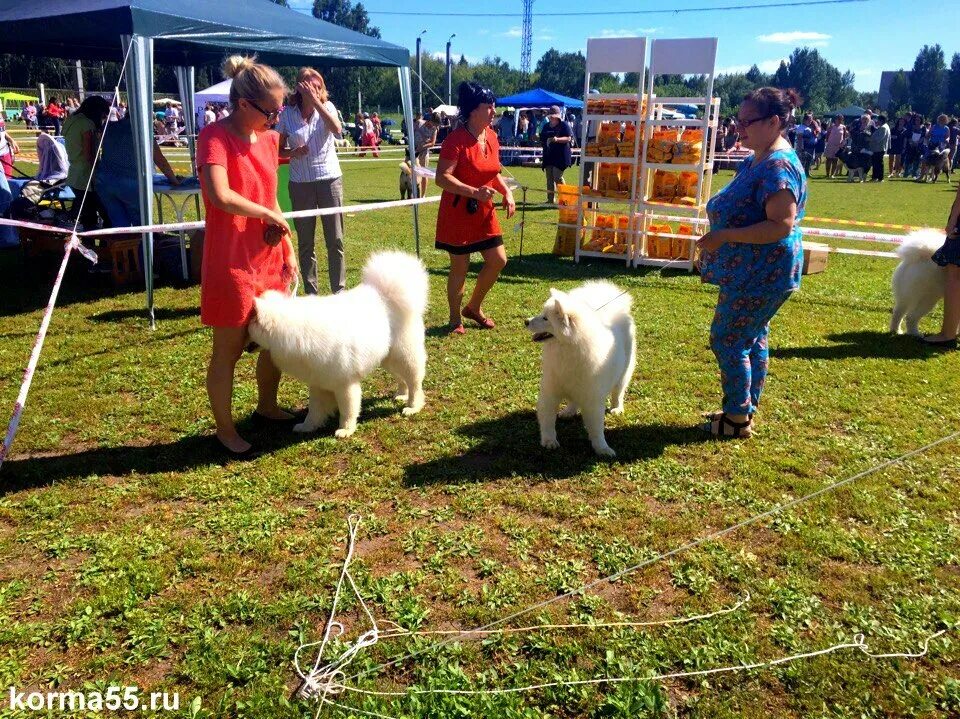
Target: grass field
x,y
130,555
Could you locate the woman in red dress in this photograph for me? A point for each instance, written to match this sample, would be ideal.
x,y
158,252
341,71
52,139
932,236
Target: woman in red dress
x,y
468,172
247,247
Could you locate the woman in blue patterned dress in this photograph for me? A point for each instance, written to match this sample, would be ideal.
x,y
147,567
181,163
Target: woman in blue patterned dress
x,y
948,257
753,253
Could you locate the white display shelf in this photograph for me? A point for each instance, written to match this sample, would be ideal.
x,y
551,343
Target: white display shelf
x,y
695,56
610,160
606,255
678,123
649,204
612,95
607,200
679,167
681,100
613,118
644,261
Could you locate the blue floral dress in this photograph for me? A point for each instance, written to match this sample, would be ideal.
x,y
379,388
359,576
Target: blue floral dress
x,y
754,280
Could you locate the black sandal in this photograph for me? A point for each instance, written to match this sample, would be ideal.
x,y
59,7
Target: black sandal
x,y
720,422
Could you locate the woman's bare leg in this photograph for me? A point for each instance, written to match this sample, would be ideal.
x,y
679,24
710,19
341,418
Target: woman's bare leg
x,y
494,260
456,281
228,344
951,306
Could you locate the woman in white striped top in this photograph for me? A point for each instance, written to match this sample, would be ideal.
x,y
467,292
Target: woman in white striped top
x,y
308,128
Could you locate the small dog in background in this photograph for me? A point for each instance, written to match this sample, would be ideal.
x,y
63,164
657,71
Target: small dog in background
x,y
589,353
406,180
918,281
933,164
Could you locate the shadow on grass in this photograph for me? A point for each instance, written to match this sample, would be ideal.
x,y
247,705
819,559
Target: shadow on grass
x,y
180,455
510,446
27,283
161,314
861,345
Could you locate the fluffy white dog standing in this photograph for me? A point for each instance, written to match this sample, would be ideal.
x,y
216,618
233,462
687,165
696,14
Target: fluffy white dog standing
x,y
589,352
917,282
331,343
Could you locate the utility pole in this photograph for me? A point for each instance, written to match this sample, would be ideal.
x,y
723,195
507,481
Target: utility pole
x,y
80,81
449,70
526,47
420,71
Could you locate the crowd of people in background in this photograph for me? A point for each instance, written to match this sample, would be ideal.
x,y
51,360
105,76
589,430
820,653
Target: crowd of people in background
x,y
910,146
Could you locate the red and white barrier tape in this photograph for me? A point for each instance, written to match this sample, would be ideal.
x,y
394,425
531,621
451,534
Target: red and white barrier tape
x,y
861,223
186,226
811,231
72,244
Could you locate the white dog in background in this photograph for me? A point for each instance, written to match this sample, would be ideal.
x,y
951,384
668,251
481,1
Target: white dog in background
x,y
332,343
589,352
917,282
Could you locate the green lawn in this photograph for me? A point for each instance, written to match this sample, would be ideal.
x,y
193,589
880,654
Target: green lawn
x,y
131,555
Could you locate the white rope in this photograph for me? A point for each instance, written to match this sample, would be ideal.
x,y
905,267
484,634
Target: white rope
x,y
858,642
321,682
712,536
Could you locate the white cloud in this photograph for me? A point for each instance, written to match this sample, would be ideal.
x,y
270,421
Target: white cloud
x,y
515,31
628,32
817,39
765,66
483,31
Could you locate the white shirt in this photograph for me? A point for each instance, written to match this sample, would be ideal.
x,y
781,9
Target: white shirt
x,y
321,162
209,117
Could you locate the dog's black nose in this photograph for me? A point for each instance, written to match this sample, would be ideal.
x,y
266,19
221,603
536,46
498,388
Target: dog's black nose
x,y
526,323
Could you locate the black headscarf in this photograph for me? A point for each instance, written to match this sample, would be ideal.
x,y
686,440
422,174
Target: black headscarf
x,y
470,95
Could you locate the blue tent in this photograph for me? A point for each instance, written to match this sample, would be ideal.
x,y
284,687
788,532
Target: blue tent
x,y
538,97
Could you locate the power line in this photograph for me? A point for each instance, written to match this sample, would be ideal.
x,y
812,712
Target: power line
x,y
608,13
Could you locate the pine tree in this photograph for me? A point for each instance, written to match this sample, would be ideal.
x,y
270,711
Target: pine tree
x,y
953,85
927,81
781,78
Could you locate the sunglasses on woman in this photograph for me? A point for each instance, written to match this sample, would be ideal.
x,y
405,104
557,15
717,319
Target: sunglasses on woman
x,y
746,123
271,116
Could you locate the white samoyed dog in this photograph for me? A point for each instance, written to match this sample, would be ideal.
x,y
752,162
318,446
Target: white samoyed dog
x,y
332,343
589,352
918,282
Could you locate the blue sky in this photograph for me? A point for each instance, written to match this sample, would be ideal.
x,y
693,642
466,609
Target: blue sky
x,y
865,37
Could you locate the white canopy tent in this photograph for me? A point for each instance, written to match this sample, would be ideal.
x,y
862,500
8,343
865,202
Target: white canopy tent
x,y
215,93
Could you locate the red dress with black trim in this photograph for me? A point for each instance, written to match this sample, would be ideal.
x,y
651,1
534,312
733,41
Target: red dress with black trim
x,y
458,230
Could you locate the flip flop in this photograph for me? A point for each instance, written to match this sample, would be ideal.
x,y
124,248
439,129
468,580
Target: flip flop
x,y
484,322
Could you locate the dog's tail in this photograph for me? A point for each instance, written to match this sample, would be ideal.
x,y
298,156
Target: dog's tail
x,y
401,279
920,245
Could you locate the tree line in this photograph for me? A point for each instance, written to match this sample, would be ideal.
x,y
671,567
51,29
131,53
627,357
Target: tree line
x,y
929,88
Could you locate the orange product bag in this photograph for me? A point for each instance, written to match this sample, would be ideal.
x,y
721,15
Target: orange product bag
x,y
687,184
